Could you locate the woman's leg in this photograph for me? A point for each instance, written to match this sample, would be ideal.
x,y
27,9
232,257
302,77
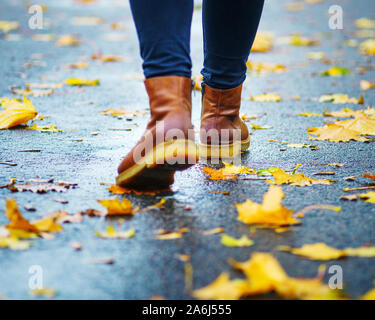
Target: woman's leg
x,y
229,29
168,143
163,28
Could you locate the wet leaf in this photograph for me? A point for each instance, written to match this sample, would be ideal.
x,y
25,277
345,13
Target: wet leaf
x,y
263,42
367,47
47,225
122,113
229,241
14,243
317,55
16,112
34,93
338,98
369,196
86,21
228,172
265,274
266,97
17,221
365,23
265,67
335,133
294,179
366,85
362,124
335,72
111,233
222,289
117,206
46,128
270,212
67,40
213,231
298,40
7,26
321,251
44,292
169,235
81,82
41,187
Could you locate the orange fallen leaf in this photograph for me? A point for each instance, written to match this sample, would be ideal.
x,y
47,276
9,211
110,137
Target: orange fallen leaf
x,y
117,206
294,179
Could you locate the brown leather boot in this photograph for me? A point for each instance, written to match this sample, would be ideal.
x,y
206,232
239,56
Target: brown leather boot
x,y
168,142
222,134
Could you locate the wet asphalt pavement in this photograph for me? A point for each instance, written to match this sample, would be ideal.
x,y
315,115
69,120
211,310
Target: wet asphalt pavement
x,y
144,267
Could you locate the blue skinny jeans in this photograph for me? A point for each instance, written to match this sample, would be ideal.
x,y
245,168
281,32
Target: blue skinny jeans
x,y
229,28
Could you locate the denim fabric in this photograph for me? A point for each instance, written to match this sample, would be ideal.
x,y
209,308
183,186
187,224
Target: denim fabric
x,y
229,28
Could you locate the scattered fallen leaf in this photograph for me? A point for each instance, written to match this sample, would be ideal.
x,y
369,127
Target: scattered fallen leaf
x,y
265,67
229,241
6,26
228,172
111,233
338,98
335,72
169,235
44,292
266,97
213,231
86,21
365,23
265,274
320,251
270,212
335,133
367,47
369,196
81,82
42,187
46,128
366,85
76,245
263,42
16,112
294,179
317,55
222,289
67,40
34,93
362,124
122,113
117,206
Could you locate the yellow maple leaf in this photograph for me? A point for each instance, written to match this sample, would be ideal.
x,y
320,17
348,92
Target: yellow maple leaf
x,y
111,233
321,251
168,235
265,67
270,212
222,289
361,124
344,113
45,128
265,274
295,179
14,243
266,97
338,98
6,26
335,133
117,206
67,40
229,241
335,72
369,196
228,172
369,295
17,221
81,82
47,225
365,23
367,47
366,85
263,42
298,40
16,112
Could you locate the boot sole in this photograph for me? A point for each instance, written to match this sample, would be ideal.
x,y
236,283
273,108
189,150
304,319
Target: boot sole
x,y
156,170
213,151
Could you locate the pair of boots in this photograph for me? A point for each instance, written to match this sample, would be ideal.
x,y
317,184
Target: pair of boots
x,y
168,143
